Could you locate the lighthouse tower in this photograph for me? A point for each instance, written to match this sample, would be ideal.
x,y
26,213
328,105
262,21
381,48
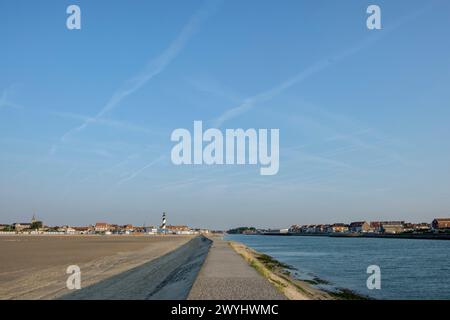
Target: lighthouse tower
x,y
163,225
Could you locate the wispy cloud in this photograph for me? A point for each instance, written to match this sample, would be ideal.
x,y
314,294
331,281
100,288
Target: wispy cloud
x,y
334,128
210,85
323,160
98,151
154,66
139,171
356,139
248,103
5,101
107,122
113,167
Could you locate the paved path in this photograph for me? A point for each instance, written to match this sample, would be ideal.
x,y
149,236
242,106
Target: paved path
x,y
226,275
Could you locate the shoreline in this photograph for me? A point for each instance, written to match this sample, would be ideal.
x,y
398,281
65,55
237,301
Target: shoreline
x,y
280,275
444,236
173,267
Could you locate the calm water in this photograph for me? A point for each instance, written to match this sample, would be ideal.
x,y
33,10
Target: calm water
x,y
410,269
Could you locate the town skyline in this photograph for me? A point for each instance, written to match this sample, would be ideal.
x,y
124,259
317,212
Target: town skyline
x,y
175,225
86,115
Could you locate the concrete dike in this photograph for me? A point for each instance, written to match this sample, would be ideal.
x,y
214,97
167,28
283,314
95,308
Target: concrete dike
x,y
170,276
227,275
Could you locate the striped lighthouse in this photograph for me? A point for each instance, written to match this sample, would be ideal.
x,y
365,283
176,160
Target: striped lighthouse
x,y
163,226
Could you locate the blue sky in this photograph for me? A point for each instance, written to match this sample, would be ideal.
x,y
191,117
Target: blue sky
x,y
86,115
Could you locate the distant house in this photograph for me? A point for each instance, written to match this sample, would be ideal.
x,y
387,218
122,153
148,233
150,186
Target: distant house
x,y
181,229
423,226
177,228
269,230
145,229
21,226
441,223
83,230
128,227
148,229
320,228
359,226
375,226
338,227
67,230
408,227
392,227
101,227
416,227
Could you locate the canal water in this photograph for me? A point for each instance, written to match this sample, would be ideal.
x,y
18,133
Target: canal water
x,y
410,268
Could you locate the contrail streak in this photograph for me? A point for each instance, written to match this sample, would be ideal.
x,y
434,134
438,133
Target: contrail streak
x,y
137,172
154,66
321,65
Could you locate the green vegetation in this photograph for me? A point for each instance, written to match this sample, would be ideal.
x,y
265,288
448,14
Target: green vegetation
x,y
346,294
316,281
240,230
279,285
36,225
272,263
275,265
279,274
8,228
298,287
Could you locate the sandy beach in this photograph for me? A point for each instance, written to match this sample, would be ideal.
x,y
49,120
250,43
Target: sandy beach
x,y
34,267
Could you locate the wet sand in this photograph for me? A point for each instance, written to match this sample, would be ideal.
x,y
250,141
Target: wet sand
x,y
34,267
